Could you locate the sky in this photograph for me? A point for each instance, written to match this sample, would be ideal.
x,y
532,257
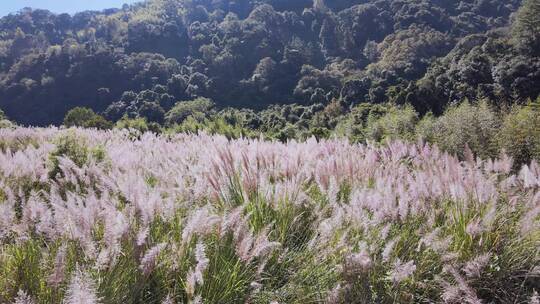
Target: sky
x,y
60,6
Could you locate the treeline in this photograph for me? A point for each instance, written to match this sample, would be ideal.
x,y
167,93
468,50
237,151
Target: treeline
x,y
468,130
141,60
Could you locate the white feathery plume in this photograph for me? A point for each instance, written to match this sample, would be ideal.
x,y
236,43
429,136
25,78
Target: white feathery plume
x,y
196,276
58,275
202,262
200,223
168,300
402,271
150,258
262,246
142,235
535,299
81,290
460,292
388,249
197,300
334,295
23,298
475,227
474,268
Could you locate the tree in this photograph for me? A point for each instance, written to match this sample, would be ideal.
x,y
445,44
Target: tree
x,y
183,109
4,122
139,124
520,134
152,111
86,118
328,37
526,28
78,117
98,122
466,125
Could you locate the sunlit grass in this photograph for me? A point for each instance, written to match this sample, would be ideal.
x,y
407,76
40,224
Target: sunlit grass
x,y
199,219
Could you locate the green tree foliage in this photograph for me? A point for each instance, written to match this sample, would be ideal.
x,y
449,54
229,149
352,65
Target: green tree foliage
x,y
354,124
87,118
152,111
472,126
526,28
184,109
397,123
140,125
78,116
4,121
98,122
520,134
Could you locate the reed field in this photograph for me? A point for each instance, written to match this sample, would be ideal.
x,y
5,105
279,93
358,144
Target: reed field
x,y
118,216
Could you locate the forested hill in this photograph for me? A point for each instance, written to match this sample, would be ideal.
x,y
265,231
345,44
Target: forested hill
x,y
142,59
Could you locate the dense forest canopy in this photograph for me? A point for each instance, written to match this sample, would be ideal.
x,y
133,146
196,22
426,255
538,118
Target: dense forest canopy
x,y
139,61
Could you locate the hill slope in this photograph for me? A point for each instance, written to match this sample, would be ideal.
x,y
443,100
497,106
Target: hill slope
x,y
141,59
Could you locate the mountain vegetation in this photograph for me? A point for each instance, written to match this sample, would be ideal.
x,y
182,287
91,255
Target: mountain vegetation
x,y
141,60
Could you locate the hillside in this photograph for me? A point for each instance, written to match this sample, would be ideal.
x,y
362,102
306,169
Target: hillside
x,y
271,152
142,59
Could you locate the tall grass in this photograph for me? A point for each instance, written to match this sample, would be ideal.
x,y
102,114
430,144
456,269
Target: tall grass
x,y
108,217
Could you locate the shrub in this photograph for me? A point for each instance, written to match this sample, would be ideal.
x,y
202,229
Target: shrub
x,y
215,125
70,146
6,124
78,116
75,147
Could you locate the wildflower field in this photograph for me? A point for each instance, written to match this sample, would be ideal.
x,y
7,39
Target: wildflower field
x,y
120,217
